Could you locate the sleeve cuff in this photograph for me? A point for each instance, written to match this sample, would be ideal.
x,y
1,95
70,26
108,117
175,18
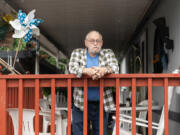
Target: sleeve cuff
x,y
79,75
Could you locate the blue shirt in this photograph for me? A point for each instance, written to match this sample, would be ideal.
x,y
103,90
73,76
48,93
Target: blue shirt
x,y
93,92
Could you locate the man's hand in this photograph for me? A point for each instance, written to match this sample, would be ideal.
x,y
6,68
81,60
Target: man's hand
x,y
89,71
95,72
100,72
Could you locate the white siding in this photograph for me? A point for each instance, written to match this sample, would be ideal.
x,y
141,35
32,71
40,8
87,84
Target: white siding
x,y
170,9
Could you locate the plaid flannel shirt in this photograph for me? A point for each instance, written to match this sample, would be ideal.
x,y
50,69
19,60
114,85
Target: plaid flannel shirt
x,y
78,63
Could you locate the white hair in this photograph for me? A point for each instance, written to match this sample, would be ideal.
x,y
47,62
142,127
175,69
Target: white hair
x,y
92,32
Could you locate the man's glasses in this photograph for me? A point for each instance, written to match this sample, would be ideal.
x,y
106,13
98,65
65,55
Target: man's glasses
x,y
94,41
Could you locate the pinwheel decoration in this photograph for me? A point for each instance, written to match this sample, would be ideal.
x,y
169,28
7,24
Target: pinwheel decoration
x,y
26,26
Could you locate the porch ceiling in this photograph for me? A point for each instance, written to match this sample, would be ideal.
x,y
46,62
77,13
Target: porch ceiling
x,y
67,21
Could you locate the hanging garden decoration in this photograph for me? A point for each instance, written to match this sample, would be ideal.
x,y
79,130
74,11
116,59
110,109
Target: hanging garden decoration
x,y
25,26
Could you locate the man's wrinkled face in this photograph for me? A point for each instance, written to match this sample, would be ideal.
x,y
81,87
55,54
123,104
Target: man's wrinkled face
x,y
94,42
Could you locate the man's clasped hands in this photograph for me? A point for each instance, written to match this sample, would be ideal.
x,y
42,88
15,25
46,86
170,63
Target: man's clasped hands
x,y
95,72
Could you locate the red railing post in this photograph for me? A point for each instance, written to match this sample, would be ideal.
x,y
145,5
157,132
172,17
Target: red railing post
x,y
20,106
52,106
117,105
133,106
3,104
166,106
69,106
36,106
85,119
149,106
101,107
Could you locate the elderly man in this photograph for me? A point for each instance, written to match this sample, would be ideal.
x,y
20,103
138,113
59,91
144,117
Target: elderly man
x,y
94,62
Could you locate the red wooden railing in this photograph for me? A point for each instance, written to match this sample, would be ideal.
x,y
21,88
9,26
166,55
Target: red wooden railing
x,y
22,82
